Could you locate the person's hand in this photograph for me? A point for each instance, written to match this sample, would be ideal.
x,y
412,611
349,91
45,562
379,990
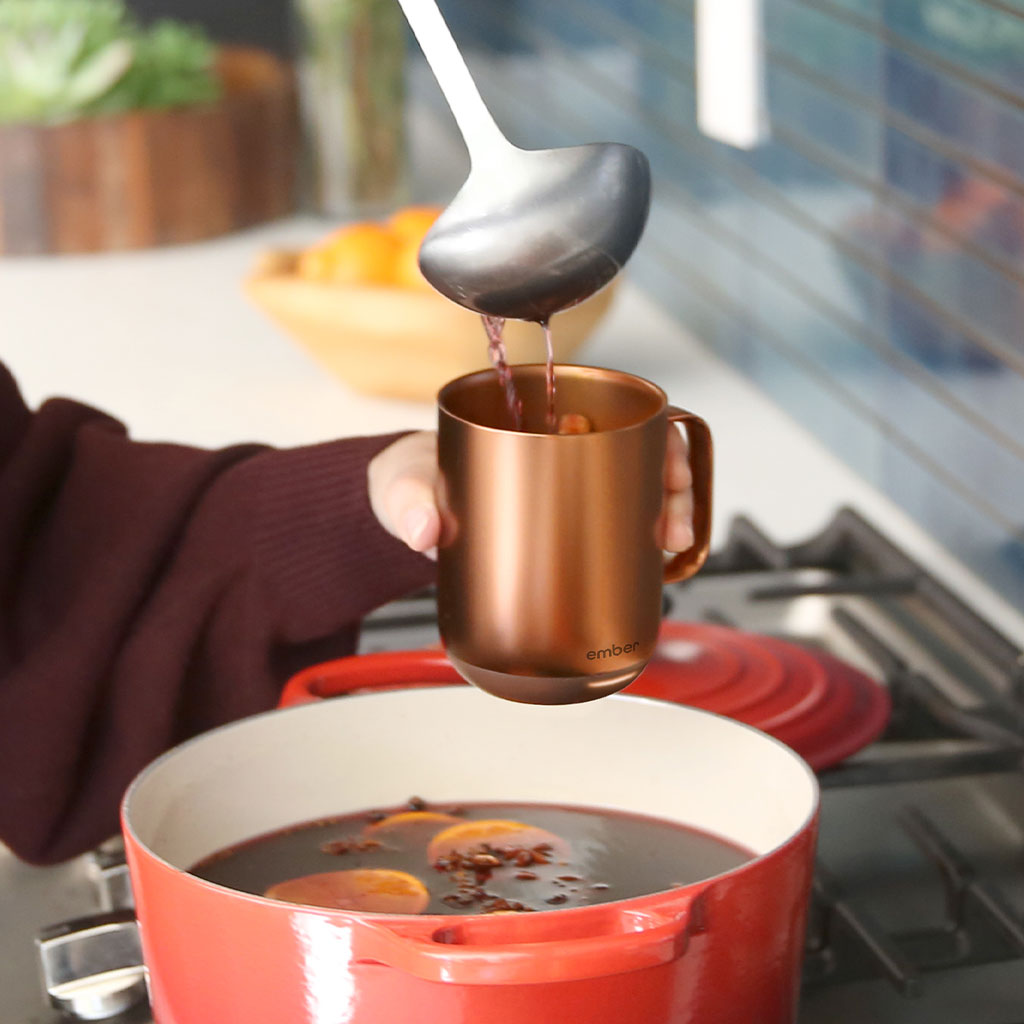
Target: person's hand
x,y
675,525
402,479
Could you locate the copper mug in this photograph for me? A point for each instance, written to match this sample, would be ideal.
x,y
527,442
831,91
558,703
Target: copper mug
x,y
549,569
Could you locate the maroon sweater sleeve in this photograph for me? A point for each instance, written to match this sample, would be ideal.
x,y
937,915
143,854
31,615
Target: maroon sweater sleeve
x,y
151,591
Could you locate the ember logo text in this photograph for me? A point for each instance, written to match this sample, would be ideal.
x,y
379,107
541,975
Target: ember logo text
x,y
612,652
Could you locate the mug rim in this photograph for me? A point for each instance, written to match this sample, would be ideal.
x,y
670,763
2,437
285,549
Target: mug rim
x,y
574,369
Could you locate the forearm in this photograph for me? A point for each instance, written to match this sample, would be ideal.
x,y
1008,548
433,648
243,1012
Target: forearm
x,y
148,592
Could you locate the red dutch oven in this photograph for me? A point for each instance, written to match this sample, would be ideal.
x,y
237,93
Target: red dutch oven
x,y
726,950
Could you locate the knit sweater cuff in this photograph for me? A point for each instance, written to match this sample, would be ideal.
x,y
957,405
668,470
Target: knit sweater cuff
x,y
322,555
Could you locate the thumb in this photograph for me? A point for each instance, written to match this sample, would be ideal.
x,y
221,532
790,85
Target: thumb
x,y
401,481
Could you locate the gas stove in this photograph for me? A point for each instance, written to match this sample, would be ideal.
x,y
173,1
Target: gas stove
x,y
918,904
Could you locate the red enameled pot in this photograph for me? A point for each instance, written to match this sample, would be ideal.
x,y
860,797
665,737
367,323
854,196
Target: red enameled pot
x,y
726,950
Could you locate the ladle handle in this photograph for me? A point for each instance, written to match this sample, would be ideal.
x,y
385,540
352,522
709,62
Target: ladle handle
x,y
483,137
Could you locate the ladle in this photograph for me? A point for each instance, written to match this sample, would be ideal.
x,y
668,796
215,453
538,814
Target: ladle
x,y
530,232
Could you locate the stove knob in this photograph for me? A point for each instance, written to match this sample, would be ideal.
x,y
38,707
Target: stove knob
x,y
92,966
108,870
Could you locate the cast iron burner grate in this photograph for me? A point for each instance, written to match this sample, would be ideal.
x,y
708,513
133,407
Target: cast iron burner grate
x,y
918,902
921,861
846,942
859,563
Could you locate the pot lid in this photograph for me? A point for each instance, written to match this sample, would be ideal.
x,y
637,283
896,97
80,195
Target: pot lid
x,y
816,704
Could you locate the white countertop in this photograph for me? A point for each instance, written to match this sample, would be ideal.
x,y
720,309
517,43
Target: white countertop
x,y
165,340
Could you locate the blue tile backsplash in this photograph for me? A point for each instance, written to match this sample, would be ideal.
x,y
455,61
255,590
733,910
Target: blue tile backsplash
x,y
865,266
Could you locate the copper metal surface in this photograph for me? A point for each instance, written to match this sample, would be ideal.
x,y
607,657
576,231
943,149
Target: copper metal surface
x,y
549,572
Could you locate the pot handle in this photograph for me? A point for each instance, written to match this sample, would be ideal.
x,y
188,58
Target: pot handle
x,y
381,670
560,946
683,565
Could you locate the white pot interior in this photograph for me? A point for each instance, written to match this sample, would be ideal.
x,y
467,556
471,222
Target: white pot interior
x,y
457,744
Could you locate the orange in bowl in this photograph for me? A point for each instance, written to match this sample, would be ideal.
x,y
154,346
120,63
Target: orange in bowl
x,y
358,303
413,222
362,253
410,226
373,890
406,269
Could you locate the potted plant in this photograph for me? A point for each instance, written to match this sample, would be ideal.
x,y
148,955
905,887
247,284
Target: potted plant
x,y
114,136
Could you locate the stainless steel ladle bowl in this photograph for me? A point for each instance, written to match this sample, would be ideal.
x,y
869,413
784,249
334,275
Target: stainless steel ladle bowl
x,y
531,232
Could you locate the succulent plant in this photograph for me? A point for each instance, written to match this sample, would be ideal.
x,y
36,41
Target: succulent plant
x,y
64,59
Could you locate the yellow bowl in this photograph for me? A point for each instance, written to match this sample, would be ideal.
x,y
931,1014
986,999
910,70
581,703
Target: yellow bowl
x,y
400,342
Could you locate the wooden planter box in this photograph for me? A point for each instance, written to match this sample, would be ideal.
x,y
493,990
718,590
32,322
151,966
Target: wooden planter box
x,y
155,177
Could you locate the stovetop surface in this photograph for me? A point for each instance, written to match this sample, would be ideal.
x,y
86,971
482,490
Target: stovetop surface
x,y
918,907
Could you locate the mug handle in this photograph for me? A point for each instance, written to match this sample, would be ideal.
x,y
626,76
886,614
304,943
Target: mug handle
x,y
683,565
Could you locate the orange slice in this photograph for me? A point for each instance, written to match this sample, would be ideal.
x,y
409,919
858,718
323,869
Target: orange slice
x,y
373,890
410,823
497,833
574,423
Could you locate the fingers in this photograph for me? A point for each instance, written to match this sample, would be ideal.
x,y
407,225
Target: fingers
x,y
677,465
675,525
678,521
401,482
403,476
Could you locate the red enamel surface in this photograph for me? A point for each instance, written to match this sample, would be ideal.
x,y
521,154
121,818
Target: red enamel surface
x,y
822,708
717,952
